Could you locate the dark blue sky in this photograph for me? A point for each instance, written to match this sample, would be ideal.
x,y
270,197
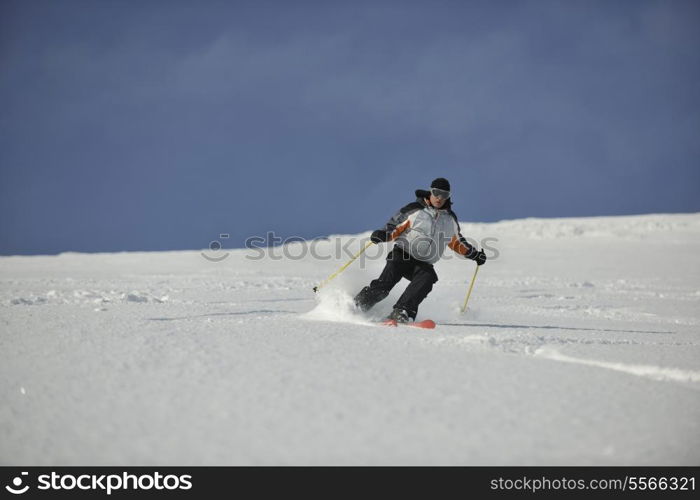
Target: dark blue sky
x,y
146,125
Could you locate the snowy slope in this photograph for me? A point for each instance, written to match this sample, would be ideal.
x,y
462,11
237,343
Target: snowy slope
x,y
581,346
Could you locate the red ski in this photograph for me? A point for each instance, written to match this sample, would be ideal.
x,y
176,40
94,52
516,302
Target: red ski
x,y
426,323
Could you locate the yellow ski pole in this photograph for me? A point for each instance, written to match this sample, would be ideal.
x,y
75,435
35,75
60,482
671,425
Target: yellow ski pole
x,y
325,282
464,307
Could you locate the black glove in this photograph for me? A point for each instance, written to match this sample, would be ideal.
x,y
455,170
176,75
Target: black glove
x,y
378,236
477,255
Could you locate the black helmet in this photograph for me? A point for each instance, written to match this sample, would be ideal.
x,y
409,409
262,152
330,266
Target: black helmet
x,y
440,188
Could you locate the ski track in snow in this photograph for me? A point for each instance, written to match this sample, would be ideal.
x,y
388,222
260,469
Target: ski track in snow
x,y
576,327
653,372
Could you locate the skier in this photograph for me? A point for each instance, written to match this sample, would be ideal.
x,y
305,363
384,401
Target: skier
x,y
421,231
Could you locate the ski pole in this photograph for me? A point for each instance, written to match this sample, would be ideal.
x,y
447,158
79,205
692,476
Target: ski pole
x,y
325,282
464,307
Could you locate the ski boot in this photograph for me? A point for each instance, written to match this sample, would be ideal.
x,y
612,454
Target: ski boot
x,y
399,316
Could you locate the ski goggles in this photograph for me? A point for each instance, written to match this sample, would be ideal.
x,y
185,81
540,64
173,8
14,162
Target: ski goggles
x,y
440,193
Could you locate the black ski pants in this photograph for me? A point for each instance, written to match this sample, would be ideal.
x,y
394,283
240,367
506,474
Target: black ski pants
x,y
400,265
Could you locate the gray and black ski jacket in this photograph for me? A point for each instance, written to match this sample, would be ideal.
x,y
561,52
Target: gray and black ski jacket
x,y
423,231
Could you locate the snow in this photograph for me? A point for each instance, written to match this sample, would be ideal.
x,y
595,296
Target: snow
x,y
580,347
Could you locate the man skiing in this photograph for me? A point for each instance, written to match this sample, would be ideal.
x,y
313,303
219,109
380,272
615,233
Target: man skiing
x,y
421,230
